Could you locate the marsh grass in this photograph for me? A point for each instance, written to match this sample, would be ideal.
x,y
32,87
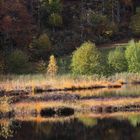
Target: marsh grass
x,y
24,82
5,128
30,82
5,105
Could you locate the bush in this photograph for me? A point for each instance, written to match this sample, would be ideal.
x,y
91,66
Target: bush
x,y
132,54
40,48
86,59
17,62
117,60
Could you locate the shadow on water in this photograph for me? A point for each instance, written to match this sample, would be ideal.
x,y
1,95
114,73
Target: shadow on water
x,y
76,128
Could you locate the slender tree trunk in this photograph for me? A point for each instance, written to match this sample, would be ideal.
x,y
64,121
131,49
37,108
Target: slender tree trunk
x,y
118,11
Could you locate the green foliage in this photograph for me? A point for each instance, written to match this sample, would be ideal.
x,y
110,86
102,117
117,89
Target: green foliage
x,y
17,62
55,6
132,54
86,59
51,12
55,20
117,60
41,47
52,67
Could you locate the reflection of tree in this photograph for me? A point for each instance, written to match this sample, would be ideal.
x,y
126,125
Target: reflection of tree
x,y
42,128
88,122
134,119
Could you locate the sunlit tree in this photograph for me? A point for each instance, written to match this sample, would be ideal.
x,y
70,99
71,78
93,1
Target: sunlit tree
x,y
52,66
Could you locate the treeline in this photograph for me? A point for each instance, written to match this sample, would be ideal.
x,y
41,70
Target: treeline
x,y
32,30
87,59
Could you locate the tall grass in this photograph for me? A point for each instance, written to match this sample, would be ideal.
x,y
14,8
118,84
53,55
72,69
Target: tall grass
x,y
24,82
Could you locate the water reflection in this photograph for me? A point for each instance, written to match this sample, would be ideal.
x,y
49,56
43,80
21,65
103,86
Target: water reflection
x,y
77,128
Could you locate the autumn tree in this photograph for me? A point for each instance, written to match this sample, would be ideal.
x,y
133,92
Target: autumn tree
x,y
16,23
52,66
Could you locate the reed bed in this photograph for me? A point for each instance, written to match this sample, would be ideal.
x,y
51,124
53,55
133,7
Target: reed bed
x,y
30,82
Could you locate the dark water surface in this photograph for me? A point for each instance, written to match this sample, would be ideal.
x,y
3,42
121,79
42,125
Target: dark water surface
x,y
83,128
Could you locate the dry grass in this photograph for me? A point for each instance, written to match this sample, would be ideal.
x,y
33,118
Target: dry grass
x,y
29,82
4,105
40,119
28,107
14,82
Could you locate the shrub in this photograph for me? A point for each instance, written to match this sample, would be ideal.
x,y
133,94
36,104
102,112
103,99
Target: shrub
x,y
17,62
117,60
85,60
132,54
40,48
52,67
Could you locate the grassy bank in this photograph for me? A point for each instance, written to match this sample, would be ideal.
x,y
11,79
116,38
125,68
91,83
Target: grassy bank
x,y
30,82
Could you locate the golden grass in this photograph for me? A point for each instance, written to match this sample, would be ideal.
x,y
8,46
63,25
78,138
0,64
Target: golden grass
x,y
4,105
40,119
47,82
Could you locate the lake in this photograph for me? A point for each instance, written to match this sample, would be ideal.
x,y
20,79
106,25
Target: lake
x,y
82,125
118,127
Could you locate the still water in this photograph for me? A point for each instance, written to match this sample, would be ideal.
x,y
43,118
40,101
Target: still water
x,y
82,128
117,126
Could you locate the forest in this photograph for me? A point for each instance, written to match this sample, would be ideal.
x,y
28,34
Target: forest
x,y
33,30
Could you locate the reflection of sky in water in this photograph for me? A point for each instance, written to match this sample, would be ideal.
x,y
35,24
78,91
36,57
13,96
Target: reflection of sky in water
x,y
79,128
126,90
